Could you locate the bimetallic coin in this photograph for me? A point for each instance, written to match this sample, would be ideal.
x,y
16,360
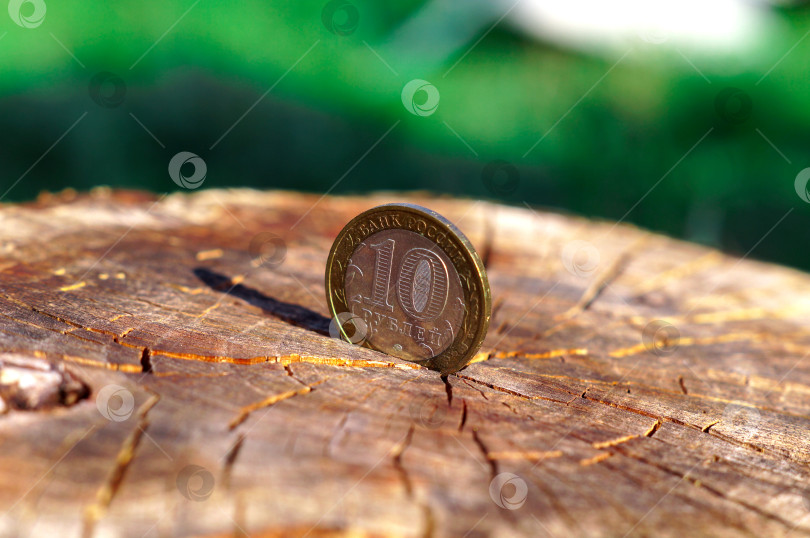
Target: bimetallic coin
x,y
416,283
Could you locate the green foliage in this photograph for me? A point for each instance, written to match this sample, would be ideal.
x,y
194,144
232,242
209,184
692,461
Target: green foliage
x,y
594,135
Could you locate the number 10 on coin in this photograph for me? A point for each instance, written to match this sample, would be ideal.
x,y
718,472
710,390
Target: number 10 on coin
x,y
412,286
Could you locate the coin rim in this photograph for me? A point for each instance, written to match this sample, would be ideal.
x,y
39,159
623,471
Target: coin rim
x,y
344,253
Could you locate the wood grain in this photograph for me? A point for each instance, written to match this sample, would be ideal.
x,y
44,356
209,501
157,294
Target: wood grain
x,y
205,396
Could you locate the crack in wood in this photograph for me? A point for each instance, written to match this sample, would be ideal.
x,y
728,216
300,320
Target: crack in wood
x,y
507,391
463,419
288,369
396,458
744,444
638,412
481,392
125,368
493,464
653,428
105,494
245,412
190,291
513,410
150,353
614,442
187,375
602,456
718,514
230,459
707,427
688,342
679,272
429,528
146,361
743,314
530,455
554,353
711,489
72,287
624,383
602,281
448,389
289,359
682,385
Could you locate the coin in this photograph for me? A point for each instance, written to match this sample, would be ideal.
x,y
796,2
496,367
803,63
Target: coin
x,y
409,284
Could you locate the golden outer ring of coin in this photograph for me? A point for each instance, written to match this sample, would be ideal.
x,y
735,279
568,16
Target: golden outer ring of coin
x,y
474,281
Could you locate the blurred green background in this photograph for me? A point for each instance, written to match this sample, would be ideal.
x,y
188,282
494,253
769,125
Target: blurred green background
x,y
694,139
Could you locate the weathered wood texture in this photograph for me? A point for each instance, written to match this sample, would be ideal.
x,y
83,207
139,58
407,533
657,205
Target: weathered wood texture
x,y
230,368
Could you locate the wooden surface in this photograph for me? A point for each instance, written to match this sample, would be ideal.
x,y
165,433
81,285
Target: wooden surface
x,y
117,302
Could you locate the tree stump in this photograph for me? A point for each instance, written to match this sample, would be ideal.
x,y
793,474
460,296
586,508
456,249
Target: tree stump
x,y
167,369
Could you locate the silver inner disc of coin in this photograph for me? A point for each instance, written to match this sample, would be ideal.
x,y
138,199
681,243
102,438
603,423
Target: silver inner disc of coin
x,y
408,293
